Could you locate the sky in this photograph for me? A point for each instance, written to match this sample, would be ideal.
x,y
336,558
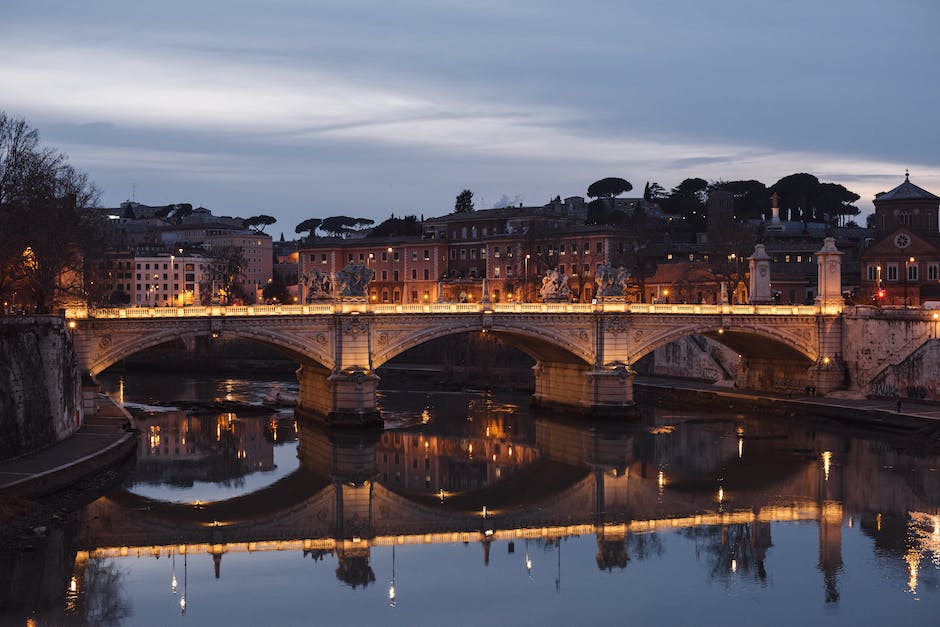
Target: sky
x,y
302,108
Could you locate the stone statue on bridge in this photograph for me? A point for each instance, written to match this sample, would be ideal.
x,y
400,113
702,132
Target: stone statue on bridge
x,y
353,280
555,287
612,281
319,286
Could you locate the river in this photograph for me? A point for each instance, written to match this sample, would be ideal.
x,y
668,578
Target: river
x,y
471,510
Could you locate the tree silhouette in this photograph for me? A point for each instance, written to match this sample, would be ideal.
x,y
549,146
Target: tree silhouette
x,y
464,202
608,187
259,222
308,226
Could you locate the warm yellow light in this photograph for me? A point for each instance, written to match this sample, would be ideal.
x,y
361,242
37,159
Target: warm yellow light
x,y
740,448
720,331
661,480
734,566
72,324
721,494
73,584
827,460
826,360
665,292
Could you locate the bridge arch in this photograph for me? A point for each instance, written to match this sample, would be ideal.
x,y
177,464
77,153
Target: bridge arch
x,y
766,342
111,350
535,341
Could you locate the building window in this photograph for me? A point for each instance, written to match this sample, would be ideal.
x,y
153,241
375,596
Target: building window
x,y
892,271
496,252
323,258
385,300
395,275
385,275
414,255
427,254
561,249
496,272
414,296
872,270
397,296
473,253
384,255
453,254
396,256
933,272
912,272
414,274
561,268
463,253
427,274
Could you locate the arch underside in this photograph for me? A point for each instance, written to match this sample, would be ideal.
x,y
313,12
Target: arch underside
x,y
538,344
748,343
288,346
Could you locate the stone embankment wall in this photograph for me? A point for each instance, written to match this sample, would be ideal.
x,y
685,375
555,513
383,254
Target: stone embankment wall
x,y
40,385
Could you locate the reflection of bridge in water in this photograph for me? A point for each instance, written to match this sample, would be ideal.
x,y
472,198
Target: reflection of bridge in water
x,y
583,481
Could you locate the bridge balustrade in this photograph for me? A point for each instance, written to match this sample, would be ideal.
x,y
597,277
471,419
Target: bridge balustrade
x,y
441,308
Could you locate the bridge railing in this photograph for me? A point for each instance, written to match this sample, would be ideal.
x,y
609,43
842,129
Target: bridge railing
x,y
436,308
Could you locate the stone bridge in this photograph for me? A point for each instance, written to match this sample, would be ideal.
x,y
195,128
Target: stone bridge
x,y
583,353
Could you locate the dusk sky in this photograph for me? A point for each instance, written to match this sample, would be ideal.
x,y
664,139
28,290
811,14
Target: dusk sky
x,y
299,108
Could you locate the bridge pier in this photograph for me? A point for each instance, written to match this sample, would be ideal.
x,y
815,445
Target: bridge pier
x,y
338,399
598,391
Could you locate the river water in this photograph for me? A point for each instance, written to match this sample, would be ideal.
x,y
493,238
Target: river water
x,y
471,510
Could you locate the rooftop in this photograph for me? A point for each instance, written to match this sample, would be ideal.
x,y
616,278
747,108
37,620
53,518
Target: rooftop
x,y
906,191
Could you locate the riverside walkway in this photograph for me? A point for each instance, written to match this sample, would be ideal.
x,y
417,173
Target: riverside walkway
x,y
101,442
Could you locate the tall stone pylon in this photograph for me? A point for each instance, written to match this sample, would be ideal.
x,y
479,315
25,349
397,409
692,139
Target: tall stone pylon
x,y
829,278
759,264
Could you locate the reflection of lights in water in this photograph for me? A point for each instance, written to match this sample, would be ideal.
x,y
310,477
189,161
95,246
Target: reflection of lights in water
x,y
913,566
425,416
740,448
878,522
528,560
121,390
154,437
721,494
73,584
484,511
391,587
827,460
510,451
734,566
661,481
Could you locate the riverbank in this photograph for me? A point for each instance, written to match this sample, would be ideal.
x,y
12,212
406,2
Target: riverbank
x,y
913,419
38,489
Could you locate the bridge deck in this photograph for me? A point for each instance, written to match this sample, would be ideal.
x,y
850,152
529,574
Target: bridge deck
x,y
439,308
